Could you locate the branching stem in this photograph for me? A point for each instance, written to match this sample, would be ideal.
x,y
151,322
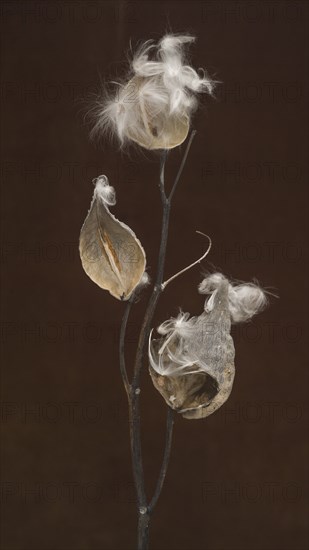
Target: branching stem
x,y
133,389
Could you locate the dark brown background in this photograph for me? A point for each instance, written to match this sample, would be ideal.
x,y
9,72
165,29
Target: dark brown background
x,y
238,480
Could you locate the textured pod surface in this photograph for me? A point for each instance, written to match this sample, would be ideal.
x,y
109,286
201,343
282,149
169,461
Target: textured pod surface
x,y
207,383
111,254
154,107
152,129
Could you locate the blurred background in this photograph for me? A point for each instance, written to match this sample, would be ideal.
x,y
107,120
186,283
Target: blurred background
x,y
236,480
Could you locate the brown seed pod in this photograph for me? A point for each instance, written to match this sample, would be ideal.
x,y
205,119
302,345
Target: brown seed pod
x,y
154,107
194,367
110,252
151,128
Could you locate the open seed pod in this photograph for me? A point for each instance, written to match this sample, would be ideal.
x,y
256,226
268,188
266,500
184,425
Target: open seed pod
x,y
148,124
192,365
153,108
110,252
197,363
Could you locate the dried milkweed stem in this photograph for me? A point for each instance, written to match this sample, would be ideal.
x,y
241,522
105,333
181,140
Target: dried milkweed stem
x,y
133,389
167,452
123,329
182,165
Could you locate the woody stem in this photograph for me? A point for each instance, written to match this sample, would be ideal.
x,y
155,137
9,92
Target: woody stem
x,y
133,389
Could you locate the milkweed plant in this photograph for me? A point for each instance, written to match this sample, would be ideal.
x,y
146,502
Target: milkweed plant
x,y
190,358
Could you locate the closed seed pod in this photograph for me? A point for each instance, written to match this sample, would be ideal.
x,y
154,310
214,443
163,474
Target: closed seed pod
x,y
110,252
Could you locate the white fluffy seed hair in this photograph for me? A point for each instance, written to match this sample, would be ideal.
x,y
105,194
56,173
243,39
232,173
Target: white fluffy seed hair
x,y
180,324
104,190
164,84
245,300
169,355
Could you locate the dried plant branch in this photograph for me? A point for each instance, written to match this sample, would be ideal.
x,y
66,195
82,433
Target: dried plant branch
x,y
122,361
183,162
133,389
166,456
